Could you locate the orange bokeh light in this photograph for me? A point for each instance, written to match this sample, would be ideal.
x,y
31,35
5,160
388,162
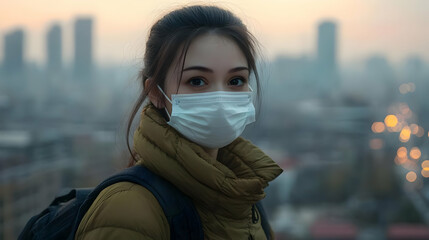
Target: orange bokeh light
x,y
378,127
415,153
402,152
425,165
411,176
391,120
425,173
405,134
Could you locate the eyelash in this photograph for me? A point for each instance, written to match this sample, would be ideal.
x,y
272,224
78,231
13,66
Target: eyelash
x,y
202,78
241,78
193,78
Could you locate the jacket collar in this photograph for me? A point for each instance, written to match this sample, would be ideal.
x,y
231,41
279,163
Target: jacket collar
x,y
227,185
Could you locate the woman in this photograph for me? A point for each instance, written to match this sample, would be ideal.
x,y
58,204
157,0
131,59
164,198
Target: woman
x,y
197,65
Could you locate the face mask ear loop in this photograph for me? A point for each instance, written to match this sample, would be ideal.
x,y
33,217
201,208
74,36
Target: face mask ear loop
x,y
160,89
251,89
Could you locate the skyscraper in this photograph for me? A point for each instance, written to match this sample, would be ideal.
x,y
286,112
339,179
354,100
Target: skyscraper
x,y
327,55
83,59
54,48
13,61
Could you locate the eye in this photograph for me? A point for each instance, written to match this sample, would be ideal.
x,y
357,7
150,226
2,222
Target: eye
x,y
197,81
237,81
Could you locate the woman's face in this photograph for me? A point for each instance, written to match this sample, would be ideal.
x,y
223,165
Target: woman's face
x,y
213,63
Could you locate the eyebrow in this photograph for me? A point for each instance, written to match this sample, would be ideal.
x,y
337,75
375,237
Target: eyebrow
x,y
205,69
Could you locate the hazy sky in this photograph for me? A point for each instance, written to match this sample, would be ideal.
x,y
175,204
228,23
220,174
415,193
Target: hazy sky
x,y
395,28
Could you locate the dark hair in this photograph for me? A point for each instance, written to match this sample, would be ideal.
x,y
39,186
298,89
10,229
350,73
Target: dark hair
x,y
177,29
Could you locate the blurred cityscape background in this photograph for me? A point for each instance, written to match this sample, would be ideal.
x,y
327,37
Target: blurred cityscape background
x,y
352,138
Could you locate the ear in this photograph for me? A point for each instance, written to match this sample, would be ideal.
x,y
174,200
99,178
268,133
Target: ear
x,y
155,96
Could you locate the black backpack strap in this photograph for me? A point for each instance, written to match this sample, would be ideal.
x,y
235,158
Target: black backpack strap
x,y
264,221
181,214
52,222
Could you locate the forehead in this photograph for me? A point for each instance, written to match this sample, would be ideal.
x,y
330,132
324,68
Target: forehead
x,y
214,51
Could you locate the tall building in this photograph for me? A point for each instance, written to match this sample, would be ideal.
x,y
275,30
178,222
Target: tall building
x,y
54,48
13,61
327,55
83,59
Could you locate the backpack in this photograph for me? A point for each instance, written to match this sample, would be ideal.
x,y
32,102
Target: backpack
x,y
61,219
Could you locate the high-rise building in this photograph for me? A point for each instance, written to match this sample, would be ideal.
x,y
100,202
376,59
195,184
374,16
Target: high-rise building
x,y
54,48
13,61
83,59
327,55
327,45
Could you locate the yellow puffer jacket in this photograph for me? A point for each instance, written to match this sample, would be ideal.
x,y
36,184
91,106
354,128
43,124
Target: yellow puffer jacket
x,y
223,190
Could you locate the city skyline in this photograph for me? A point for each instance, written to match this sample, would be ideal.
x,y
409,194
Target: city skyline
x,y
391,28
326,54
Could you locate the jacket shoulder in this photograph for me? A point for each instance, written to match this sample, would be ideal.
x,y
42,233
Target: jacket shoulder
x,y
124,210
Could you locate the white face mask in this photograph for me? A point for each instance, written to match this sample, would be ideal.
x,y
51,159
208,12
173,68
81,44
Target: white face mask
x,y
211,119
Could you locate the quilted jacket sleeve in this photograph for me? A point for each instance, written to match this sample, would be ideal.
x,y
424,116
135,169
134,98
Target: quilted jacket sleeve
x,y
124,211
